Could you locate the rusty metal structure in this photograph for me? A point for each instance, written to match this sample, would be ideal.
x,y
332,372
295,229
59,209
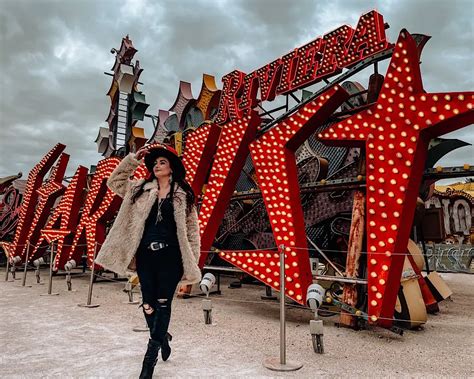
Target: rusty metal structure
x,y
127,105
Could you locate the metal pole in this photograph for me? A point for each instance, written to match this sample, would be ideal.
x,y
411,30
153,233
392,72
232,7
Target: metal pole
x,y
8,268
282,307
275,363
91,284
23,282
129,291
268,294
51,257
50,284
423,245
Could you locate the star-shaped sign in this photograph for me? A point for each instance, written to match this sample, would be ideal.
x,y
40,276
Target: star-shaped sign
x,y
396,131
273,156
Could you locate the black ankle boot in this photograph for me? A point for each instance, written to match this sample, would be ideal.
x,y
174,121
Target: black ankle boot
x,y
166,349
149,361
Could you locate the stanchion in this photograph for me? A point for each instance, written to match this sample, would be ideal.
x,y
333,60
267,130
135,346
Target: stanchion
x,y
129,291
91,284
23,282
282,364
7,272
15,260
50,284
268,294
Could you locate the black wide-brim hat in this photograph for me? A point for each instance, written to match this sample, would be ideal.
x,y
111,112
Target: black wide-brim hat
x,y
159,150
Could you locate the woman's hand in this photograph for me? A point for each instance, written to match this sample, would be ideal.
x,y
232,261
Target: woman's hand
x,y
140,154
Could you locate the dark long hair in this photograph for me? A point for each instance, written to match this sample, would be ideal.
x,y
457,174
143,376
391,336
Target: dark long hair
x,y
181,182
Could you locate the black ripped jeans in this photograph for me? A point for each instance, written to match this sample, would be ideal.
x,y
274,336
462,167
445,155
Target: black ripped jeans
x,y
159,273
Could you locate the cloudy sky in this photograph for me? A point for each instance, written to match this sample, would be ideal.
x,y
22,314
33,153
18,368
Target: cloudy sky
x,y
54,54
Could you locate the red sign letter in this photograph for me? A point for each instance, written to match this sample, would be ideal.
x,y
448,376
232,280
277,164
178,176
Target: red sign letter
x,y
229,103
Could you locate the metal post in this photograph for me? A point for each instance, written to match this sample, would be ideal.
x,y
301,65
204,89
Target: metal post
x,y
129,291
282,307
268,294
91,284
50,284
23,282
274,363
207,309
423,245
8,268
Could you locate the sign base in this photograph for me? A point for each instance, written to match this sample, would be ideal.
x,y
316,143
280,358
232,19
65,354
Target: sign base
x,y
88,305
275,365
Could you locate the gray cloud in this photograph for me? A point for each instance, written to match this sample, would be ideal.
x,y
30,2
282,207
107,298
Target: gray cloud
x,y
54,54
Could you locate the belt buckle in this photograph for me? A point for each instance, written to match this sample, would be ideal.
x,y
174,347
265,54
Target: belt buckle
x,y
155,246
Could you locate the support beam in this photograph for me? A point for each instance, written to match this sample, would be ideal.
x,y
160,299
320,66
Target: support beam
x,y
356,239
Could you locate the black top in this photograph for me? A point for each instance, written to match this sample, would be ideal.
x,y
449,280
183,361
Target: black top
x,y
163,230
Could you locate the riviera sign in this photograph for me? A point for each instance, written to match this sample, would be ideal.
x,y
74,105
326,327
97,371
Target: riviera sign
x,y
323,57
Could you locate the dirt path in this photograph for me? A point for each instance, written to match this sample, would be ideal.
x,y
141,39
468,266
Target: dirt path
x,y
53,337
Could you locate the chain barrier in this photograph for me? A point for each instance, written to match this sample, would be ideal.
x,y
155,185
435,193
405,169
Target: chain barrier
x,y
296,306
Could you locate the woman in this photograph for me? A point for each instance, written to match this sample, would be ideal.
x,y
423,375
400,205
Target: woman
x,y
157,225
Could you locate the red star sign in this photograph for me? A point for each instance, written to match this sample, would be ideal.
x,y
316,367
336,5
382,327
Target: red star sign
x,y
396,131
273,155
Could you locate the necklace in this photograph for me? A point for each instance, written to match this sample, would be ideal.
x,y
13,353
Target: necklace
x,y
159,217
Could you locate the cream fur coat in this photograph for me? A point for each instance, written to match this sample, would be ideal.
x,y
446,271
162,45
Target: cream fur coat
x,y
123,239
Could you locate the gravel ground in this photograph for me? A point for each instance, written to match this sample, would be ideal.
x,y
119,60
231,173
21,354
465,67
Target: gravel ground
x,y
50,336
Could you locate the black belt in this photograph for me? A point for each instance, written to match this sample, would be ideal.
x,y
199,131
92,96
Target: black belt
x,y
155,246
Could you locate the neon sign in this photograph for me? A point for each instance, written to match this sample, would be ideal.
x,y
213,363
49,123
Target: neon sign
x,y
323,57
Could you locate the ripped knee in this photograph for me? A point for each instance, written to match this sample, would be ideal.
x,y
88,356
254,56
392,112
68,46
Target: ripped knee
x,y
147,308
163,303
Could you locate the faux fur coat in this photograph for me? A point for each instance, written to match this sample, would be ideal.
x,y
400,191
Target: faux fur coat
x,y
123,239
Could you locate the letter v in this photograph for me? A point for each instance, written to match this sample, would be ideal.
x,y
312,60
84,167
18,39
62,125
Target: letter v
x,y
232,151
